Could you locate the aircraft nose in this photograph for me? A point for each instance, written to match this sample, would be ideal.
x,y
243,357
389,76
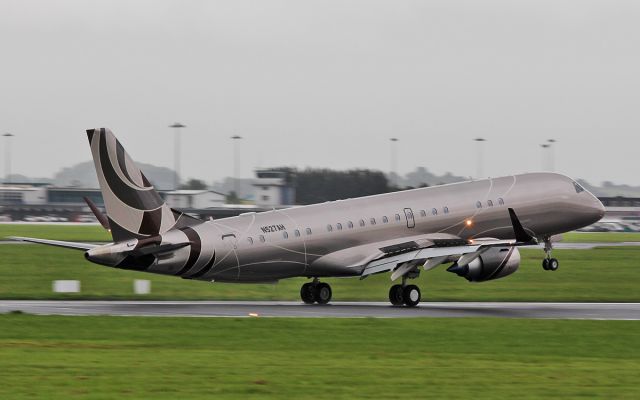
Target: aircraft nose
x,y
594,208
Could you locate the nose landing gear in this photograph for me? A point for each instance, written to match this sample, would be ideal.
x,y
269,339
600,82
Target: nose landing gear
x,y
549,264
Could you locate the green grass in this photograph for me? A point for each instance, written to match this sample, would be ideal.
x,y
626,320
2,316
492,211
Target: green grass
x,y
73,233
601,237
200,358
95,233
603,274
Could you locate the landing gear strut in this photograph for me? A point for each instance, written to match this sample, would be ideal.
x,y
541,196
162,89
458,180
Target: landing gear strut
x,y
549,264
408,295
315,292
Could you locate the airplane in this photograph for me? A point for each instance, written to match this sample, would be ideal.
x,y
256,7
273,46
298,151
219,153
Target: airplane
x,y
474,227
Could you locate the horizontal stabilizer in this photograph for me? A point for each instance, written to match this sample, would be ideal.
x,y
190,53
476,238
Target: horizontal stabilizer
x,y
58,243
163,248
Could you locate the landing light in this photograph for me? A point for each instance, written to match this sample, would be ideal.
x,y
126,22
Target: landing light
x,y
469,222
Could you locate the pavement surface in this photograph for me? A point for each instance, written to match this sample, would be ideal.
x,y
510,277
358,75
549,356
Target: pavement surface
x,y
598,311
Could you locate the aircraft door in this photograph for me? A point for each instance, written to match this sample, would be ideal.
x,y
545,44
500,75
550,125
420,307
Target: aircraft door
x,y
411,222
230,246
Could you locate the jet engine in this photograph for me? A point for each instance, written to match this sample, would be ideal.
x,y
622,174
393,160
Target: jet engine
x,y
497,262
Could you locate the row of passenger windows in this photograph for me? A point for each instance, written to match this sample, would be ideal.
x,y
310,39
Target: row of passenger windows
x,y
350,224
372,221
490,203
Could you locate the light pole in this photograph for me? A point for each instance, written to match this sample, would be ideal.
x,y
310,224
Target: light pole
x,y
394,161
552,155
7,166
7,149
176,157
236,162
544,147
480,151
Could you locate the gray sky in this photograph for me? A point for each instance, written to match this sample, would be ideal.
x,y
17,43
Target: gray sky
x,y
326,83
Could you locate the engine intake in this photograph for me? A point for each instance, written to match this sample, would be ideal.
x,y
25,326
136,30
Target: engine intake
x,y
494,263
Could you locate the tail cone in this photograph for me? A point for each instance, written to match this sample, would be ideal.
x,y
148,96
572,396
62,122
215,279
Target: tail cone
x,y
458,270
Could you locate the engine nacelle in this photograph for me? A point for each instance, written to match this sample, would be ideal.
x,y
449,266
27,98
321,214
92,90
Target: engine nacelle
x,y
494,263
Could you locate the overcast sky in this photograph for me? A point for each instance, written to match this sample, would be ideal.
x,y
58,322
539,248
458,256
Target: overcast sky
x,y
326,83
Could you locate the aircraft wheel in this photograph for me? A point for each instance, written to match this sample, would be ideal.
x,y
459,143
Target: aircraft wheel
x,y
553,264
411,294
307,293
545,264
323,293
396,295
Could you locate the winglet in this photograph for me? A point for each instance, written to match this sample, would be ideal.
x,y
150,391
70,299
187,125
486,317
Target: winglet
x,y
100,216
521,234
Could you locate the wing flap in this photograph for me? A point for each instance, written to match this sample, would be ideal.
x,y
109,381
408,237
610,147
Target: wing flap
x,y
389,263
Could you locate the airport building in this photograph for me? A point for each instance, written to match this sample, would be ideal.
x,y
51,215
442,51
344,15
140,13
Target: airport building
x,y
274,188
47,203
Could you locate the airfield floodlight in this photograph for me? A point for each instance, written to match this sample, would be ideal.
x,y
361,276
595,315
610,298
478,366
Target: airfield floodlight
x,y
7,167
553,153
176,157
544,146
393,160
479,171
236,162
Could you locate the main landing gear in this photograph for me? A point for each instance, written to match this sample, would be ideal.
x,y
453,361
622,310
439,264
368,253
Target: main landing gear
x,y
408,295
315,292
549,264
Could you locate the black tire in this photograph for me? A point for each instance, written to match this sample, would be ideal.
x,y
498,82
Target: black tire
x,y
396,295
554,264
411,294
307,293
545,264
323,293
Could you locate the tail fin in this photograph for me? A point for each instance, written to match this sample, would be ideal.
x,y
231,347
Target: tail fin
x,y
134,208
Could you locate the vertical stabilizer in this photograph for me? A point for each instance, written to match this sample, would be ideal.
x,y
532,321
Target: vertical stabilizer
x,y
134,208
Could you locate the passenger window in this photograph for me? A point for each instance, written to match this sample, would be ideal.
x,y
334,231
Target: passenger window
x,y
262,238
423,213
308,231
500,201
285,235
478,204
350,225
434,211
361,222
446,210
250,240
385,219
296,233
490,203
373,221
397,217
339,226
329,228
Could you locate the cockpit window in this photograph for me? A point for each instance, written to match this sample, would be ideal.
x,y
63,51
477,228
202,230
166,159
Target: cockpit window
x,y
578,187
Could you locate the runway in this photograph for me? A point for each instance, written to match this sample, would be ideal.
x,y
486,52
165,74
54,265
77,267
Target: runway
x,y
596,311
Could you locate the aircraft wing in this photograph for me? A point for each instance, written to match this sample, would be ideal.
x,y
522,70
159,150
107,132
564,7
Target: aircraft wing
x,y
59,243
431,257
404,257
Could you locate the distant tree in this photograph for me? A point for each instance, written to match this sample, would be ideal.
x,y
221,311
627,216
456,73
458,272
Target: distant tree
x,y
232,198
194,184
320,185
